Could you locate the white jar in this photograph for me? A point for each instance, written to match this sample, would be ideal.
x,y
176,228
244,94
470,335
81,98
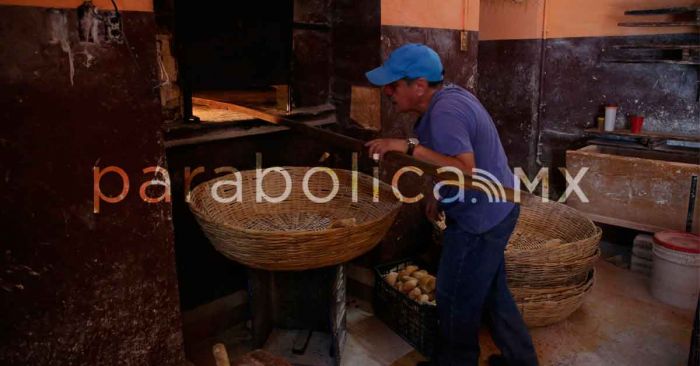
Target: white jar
x,y
610,117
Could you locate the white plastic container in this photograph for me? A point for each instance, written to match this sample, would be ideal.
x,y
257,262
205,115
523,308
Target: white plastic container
x,y
675,273
610,117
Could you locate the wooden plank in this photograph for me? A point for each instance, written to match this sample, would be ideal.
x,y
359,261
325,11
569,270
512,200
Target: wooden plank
x,y
643,134
235,132
266,96
238,108
260,284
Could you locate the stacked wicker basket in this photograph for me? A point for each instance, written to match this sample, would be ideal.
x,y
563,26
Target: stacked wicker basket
x,y
549,261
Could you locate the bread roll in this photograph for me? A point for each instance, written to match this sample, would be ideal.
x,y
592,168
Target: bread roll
x,y
408,270
420,274
415,294
427,284
424,298
391,278
409,285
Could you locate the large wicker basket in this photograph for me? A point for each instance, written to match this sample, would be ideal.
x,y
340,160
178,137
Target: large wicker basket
x,y
296,233
552,245
539,222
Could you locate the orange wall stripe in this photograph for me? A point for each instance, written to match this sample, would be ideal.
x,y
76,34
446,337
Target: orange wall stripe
x,y
472,15
580,18
511,20
505,19
127,5
444,14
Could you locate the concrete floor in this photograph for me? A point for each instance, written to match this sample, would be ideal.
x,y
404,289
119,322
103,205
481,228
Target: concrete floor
x,y
618,324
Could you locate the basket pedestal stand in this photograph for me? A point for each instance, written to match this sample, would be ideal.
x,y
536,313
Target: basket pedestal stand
x,y
299,315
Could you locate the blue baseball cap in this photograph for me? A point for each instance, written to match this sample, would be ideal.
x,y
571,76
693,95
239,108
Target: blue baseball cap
x,y
412,60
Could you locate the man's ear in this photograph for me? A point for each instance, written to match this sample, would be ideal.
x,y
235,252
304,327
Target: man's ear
x,y
422,86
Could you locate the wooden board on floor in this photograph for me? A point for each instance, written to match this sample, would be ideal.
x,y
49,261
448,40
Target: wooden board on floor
x,y
410,359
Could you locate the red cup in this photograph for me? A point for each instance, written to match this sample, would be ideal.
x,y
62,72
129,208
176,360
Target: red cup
x,y
636,124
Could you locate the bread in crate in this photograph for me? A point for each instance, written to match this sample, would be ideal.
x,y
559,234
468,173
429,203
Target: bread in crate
x,y
414,282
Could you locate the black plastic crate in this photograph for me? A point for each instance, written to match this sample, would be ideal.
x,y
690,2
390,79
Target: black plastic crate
x,y
415,322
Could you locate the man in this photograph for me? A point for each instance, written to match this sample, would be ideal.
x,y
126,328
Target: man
x,y
455,130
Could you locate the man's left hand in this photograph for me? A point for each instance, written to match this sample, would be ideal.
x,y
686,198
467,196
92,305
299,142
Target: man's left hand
x,y
383,146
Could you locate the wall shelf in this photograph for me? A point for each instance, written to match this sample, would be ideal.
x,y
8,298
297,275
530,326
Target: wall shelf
x,y
651,61
659,24
646,140
678,54
644,135
658,46
660,11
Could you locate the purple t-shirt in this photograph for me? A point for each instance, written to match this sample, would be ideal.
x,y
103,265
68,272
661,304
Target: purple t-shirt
x,y
457,123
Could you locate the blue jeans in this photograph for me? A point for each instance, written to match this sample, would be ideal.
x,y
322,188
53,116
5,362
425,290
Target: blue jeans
x,y
471,281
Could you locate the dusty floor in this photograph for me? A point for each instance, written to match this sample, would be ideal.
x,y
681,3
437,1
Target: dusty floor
x,y
618,324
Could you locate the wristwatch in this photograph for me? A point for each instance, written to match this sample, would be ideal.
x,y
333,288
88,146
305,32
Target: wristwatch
x,y
412,143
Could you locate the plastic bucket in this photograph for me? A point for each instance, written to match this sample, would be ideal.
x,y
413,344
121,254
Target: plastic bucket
x,y
675,274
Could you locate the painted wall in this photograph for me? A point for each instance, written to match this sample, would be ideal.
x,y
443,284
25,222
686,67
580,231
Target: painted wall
x,y
443,14
78,287
438,24
504,19
544,79
532,19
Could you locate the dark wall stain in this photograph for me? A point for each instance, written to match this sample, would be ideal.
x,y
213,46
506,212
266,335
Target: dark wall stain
x,y
578,83
553,111
311,67
312,11
311,48
509,80
460,66
356,50
79,287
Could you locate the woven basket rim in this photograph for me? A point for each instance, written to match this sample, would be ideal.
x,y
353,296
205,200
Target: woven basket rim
x,y
597,231
382,186
592,257
584,287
